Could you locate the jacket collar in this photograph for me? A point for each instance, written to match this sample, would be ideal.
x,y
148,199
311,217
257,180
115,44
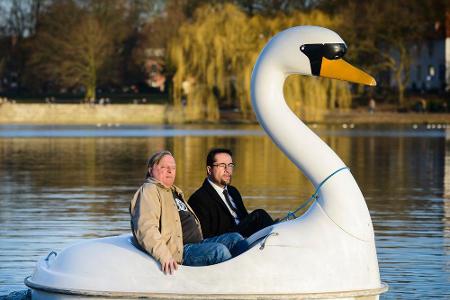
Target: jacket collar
x,y
159,184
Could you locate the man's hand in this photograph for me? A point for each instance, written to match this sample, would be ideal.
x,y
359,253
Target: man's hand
x,y
169,266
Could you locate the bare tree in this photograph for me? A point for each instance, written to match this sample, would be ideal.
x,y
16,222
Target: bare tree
x,y
76,45
21,17
18,23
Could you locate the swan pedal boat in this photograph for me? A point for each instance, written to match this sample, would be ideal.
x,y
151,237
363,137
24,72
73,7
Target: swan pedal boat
x,y
328,252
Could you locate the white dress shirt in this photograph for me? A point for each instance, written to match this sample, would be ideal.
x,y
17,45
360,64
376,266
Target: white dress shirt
x,y
219,191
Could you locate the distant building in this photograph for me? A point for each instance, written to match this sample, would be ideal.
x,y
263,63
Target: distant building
x,y
430,65
154,66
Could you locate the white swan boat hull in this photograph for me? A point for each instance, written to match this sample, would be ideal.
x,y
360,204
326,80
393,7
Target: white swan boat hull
x,y
278,267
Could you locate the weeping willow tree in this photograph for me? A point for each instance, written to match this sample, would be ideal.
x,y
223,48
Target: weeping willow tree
x,y
214,56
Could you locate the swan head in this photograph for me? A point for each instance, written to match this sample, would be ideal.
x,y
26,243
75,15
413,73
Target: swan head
x,y
313,51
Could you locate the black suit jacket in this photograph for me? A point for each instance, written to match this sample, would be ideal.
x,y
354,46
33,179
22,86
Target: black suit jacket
x,y
214,216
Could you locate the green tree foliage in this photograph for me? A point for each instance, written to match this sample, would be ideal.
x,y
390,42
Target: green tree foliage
x,y
215,54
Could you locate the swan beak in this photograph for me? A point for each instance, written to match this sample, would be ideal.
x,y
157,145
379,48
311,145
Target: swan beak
x,y
342,70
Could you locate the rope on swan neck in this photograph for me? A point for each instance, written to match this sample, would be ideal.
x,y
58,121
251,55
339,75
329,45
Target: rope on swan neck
x,y
291,214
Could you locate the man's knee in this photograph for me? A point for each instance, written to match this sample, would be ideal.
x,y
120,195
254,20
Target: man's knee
x,y
263,217
235,237
219,254
261,212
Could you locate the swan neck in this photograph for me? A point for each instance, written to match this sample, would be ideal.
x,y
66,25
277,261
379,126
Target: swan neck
x,y
300,144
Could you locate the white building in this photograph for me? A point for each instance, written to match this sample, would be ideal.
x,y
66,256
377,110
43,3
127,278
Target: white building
x,y
428,69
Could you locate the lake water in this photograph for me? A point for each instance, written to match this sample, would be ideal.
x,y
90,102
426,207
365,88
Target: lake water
x,y
60,185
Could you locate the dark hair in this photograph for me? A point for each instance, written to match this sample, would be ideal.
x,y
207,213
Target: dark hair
x,y
155,159
212,153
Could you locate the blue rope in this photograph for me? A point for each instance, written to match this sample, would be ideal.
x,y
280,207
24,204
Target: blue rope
x,y
291,214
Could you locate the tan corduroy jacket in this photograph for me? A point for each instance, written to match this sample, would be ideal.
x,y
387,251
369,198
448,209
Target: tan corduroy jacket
x,y
155,221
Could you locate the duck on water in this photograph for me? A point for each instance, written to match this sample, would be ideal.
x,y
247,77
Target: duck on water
x,y
328,252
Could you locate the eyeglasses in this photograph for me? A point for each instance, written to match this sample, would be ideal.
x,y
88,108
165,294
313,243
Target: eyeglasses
x,y
224,166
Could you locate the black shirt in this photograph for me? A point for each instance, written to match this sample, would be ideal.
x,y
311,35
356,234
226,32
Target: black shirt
x,y
191,231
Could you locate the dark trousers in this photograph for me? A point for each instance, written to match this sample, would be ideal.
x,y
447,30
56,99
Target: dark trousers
x,y
255,221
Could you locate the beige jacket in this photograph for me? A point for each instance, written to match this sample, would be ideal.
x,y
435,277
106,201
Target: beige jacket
x,y
155,221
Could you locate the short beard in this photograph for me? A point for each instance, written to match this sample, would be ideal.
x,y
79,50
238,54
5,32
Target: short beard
x,y
223,182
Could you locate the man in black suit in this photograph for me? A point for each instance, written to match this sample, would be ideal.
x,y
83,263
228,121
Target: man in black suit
x,y
219,206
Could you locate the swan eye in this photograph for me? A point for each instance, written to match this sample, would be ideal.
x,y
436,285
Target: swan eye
x,y
316,52
334,51
329,51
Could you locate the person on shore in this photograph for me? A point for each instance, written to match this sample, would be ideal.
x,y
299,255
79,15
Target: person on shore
x,y
423,105
165,226
372,105
219,205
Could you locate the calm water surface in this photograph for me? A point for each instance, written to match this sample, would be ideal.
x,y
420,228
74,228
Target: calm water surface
x,y
60,185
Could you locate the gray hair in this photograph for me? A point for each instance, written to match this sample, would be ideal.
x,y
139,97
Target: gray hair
x,y
155,159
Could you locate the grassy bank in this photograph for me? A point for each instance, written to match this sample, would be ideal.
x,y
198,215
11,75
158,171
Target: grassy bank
x,y
82,114
85,114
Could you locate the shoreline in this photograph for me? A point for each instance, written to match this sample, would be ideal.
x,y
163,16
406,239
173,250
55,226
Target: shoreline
x,y
358,117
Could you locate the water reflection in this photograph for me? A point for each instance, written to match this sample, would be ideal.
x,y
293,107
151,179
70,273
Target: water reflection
x,y
57,189
446,218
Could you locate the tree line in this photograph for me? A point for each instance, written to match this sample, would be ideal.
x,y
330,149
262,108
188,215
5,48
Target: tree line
x,y
209,46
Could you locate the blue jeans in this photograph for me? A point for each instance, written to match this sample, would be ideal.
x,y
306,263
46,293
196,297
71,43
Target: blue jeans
x,y
214,250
